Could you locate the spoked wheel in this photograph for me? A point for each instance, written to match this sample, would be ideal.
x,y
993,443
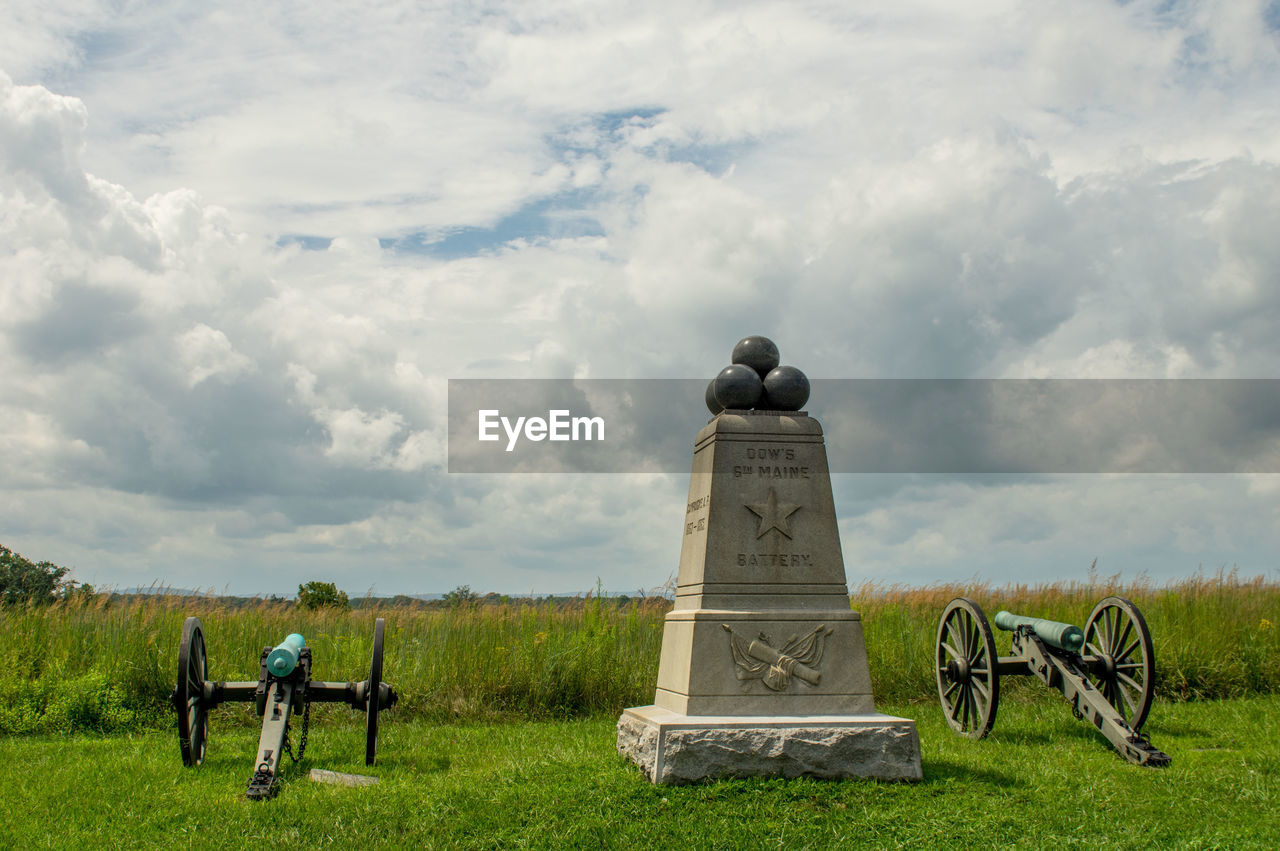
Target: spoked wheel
x,y
188,697
968,679
373,693
1116,636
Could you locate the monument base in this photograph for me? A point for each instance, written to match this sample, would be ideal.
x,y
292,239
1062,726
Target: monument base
x,y
674,748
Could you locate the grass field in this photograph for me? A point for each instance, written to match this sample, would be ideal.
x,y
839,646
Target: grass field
x,y
99,666
504,733
1040,779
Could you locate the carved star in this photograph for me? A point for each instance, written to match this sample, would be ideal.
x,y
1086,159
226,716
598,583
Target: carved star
x,y
773,514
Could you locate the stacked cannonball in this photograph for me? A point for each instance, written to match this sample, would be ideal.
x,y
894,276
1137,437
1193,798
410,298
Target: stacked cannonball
x,y
756,381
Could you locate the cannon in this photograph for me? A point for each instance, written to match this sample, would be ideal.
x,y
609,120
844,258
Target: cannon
x,y
1105,671
284,686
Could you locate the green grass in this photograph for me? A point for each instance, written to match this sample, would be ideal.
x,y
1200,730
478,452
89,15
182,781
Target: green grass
x,y
1041,778
101,666
504,733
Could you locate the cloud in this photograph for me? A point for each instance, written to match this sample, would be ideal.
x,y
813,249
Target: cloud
x,y
241,258
1019,531
132,326
207,353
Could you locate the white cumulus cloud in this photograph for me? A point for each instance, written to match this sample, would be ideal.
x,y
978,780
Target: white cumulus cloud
x,y
240,260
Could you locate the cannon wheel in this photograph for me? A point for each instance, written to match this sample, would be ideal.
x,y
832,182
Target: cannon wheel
x,y
968,679
1116,635
373,694
188,697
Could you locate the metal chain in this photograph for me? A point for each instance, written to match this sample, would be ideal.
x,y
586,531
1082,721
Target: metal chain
x,y
306,727
302,743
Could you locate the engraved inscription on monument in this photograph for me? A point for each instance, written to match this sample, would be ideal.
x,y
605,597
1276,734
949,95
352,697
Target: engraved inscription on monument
x,y
696,515
774,560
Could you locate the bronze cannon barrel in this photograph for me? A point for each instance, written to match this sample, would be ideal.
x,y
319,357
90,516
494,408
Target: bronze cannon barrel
x,y
1064,636
283,658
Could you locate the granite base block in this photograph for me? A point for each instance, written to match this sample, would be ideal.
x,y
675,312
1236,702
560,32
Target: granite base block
x,y
672,748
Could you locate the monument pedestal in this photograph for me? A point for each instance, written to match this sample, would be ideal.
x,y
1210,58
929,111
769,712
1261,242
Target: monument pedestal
x,y
763,669
674,748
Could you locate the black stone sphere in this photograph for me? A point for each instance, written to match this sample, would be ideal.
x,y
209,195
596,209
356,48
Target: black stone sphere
x,y
759,353
738,386
712,405
785,389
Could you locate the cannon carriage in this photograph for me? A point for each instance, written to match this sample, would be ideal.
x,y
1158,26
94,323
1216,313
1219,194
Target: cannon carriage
x,y
1106,671
284,687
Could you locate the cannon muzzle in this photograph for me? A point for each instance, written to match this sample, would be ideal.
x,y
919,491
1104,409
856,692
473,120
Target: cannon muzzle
x,y
1064,636
283,658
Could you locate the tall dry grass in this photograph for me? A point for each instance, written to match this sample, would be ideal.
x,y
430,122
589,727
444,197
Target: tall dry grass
x,y
98,665
1215,636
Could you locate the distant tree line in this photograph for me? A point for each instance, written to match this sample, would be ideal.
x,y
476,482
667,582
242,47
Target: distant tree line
x,y
24,582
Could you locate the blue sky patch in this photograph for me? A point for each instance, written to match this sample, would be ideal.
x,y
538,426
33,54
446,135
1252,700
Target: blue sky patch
x,y
562,216
307,242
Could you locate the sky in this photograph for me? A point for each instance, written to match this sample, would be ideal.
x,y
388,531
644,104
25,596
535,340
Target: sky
x,y
244,246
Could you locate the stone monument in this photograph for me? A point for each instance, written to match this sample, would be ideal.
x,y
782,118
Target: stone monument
x,y
763,669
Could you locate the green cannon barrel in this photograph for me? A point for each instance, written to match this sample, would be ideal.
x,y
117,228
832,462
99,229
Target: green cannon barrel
x,y
284,657
1064,636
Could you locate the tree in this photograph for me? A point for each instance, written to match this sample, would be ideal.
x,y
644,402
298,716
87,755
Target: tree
x,y
24,581
317,595
460,596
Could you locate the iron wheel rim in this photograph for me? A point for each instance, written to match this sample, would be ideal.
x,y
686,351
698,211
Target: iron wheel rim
x,y
965,667
374,693
189,695
1117,630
